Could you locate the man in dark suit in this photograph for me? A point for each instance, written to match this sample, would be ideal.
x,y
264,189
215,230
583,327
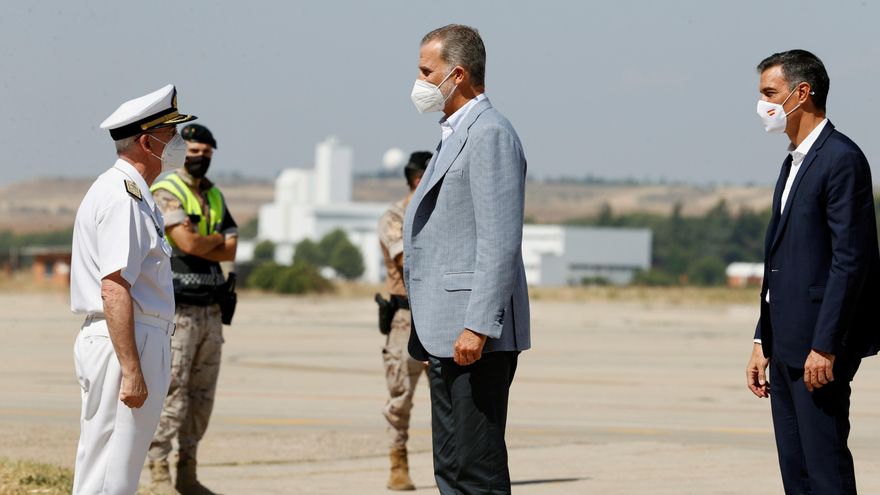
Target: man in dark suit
x,y
820,275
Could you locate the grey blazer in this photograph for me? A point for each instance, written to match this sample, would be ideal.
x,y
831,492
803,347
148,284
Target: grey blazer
x,y
462,239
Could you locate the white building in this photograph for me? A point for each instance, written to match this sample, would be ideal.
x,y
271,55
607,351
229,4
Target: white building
x,y
310,203
744,274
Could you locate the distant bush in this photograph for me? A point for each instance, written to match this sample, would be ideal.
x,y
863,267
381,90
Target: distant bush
x,y
307,251
264,251
51,238
301,279
334,251
297,279
595,281
263,276
654,278
708,270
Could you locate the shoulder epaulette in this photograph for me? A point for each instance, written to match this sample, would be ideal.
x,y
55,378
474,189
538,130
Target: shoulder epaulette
x,y
132,189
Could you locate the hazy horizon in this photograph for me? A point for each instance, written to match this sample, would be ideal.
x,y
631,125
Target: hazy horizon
x,y
650,91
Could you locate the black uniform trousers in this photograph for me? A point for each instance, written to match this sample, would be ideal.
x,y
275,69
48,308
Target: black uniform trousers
x,y
812,429
468,420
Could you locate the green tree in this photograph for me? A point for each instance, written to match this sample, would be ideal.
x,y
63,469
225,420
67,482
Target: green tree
x,y
606,216
264,251
347,260
331,240
708,271
250,229
309,252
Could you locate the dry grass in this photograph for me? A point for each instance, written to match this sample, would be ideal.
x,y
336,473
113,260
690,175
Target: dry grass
x,y
675,296
659,295
26,477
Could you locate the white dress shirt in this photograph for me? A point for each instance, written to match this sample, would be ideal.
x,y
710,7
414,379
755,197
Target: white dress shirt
x,y
797,158
116,231
448,125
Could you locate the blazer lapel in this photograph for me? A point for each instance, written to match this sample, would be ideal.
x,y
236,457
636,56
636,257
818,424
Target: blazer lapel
x,y
808,160
453,145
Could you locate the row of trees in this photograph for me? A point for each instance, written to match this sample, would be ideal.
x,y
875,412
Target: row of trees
x,y
694,249
313,265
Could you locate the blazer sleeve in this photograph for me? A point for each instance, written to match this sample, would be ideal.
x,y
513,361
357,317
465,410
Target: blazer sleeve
x,y
497,183
850,218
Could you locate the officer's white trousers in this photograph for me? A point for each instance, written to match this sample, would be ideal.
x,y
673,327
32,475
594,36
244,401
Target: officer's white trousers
x,y
114,439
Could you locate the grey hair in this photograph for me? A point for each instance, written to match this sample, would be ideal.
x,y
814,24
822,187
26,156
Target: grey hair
x,y
123,145
462,46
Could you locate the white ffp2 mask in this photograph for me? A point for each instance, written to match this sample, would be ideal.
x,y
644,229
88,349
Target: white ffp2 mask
x,y
427,97
174,155
773,114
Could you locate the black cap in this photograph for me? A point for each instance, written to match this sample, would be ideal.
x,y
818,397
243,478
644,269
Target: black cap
x,y
199,134
417,161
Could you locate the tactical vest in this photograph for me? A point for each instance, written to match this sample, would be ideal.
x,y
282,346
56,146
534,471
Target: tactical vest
x,y
197,281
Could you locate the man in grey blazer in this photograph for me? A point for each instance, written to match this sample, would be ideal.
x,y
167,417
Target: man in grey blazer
x,y
463,265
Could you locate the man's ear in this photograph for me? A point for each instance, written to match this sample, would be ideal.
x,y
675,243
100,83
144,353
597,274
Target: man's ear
x,y
460,74
804,90
145,144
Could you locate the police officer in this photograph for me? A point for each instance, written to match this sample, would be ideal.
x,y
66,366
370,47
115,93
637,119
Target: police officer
x,y
121,281
401,371
202,233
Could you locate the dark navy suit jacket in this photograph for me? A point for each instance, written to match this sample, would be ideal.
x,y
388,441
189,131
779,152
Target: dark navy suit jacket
x,y
821,261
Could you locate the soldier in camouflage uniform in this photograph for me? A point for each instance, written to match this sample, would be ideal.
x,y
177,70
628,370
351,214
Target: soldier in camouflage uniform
x,y
202,233
401,371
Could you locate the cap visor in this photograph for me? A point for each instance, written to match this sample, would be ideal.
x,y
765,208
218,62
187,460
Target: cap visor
x,y
180,119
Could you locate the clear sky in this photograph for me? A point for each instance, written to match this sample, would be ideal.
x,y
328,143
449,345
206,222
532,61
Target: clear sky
x,y
623,89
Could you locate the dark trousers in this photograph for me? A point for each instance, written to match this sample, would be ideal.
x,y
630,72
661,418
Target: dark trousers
x,y
812,429
468,418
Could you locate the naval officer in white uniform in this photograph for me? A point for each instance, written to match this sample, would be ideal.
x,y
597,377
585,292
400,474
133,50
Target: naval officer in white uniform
x,y
120,281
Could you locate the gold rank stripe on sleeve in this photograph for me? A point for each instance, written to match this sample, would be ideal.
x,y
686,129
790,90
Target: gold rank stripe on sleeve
x,y
132,189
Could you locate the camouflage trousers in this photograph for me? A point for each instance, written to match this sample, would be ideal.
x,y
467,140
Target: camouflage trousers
x,y
195,365
401,374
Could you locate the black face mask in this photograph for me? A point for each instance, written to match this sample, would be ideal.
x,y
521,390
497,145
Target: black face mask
x,y
197,166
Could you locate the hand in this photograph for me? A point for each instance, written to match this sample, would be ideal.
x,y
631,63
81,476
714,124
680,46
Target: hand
x,y
133,392
818,370
756,373
468,348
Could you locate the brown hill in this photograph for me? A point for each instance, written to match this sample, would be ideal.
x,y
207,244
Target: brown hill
x,y
50,204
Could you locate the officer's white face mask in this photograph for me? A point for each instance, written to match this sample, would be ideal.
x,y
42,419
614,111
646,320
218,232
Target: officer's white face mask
x,y
174,155
427,97
773,114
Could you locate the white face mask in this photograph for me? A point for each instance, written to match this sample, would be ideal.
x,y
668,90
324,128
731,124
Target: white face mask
x,y
174,154
773,114
427,97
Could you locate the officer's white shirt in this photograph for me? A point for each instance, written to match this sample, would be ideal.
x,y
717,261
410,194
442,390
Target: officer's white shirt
x,y
115,231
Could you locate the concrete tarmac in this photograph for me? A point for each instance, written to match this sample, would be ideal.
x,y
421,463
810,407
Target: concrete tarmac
x,y
616,397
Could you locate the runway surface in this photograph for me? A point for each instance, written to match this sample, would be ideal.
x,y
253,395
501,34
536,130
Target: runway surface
x,y
616,397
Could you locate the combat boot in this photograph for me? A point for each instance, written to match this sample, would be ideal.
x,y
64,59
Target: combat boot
x,y
160,478
187,483
399,479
